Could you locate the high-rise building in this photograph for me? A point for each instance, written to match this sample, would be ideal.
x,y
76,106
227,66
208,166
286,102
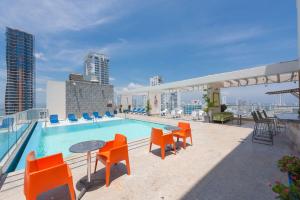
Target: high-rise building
x,y
155,80
20,85
96,68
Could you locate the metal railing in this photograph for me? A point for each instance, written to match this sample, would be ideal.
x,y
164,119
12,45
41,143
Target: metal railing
x,y
12,128
270,109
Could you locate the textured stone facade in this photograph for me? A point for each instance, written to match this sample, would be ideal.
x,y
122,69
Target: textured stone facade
x,y
85,96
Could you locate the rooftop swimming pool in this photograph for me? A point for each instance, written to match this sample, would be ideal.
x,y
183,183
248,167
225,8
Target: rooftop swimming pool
x,y
46,141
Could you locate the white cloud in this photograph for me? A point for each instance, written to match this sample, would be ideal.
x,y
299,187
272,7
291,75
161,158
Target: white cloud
x,y
130,86
40,56
59,15
111,79
56,69
40,90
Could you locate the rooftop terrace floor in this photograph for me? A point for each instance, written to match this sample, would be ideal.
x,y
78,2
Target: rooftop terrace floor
x,y
223,163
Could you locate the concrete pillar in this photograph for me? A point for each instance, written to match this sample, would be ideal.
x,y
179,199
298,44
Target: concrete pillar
x,y
126,100
155,103
213,93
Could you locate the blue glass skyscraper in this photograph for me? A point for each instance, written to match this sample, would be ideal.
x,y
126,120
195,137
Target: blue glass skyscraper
x,y
20,62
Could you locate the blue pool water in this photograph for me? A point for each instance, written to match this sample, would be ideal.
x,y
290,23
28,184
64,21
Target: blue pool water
x,y
47,141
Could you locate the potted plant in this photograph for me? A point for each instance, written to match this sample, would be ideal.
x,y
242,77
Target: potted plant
x,y
148,107
208,105
284,192
291,165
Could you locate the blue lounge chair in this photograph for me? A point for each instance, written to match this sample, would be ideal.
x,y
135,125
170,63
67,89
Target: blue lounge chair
x,y
54,119
86,116
143,111
108,114
133,110
72,118
7,122
137,111
96,115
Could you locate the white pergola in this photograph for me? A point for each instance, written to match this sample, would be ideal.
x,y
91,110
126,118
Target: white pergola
x,y
286,71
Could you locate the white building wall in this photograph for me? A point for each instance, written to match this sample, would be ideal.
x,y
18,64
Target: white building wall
x,y
56,98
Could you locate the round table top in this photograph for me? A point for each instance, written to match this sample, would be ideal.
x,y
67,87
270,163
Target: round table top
x,y
83,147
172,128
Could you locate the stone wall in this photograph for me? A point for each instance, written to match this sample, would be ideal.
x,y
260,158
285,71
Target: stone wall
x,y
85,96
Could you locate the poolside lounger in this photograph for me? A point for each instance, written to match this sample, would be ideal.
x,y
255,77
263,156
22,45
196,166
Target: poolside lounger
x,y
112,153
7,122
142,111
137,111
96,115
54,119
47,174
86,116
108,114
72,118
133,110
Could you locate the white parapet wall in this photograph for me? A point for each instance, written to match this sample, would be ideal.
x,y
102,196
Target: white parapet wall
x,y
56,98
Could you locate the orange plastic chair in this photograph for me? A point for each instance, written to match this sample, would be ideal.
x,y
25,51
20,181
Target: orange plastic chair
x,y
158,138
184,132
114,151
44,174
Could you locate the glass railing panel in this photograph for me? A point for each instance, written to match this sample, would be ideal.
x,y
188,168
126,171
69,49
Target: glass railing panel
x,y
12,128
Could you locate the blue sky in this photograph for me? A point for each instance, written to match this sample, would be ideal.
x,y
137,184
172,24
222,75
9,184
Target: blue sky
x,y
176,39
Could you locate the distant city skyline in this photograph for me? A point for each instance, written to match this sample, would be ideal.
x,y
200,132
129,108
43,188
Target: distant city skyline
x,y
174,39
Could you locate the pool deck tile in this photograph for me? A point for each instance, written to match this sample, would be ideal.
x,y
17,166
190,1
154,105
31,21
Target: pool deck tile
x,y
223,163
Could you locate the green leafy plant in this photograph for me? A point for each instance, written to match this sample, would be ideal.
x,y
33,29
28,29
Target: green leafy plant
x,y
148,107
290,164
284,192
208,103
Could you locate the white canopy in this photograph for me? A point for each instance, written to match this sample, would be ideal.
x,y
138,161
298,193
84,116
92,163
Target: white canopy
x,y
272,73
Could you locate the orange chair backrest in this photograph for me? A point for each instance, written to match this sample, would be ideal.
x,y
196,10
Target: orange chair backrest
x,y
30,167
156,135
120,140
184,125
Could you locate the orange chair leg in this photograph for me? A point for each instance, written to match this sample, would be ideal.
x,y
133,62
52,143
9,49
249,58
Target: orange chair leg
x,y
162,149
128,166
150,147
174,147
184,142
107,174
191,140
71,190
96,162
